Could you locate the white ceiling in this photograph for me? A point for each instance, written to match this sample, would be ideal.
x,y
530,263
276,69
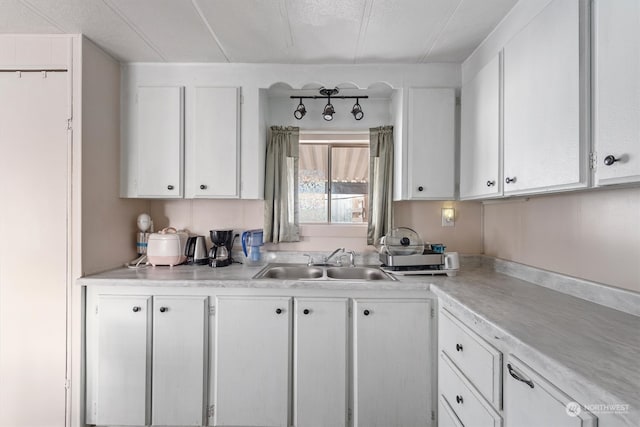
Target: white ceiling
x,y
267,31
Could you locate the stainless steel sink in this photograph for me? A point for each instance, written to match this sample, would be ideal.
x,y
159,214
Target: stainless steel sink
x,y
357,273
290,272
303,272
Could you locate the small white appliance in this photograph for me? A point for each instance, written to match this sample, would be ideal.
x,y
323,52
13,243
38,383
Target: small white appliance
x,y
167,247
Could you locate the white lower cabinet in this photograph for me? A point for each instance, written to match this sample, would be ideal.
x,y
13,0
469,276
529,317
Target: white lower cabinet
x,y
320,362
137,383
530,400
392,362
252,359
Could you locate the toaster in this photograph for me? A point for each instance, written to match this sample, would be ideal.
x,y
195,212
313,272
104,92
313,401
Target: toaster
x,y
167,247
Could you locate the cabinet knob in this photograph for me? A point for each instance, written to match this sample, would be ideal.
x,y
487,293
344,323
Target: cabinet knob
x,y
609,160
306,311
278,311
459,399
491,183
169,187
203,187
163,309
420,188
366,312
458,347
136,309
510,180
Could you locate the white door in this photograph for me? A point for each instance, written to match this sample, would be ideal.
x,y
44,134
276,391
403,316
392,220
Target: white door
x,y
532,401
480,174
392,362
160,141
544,84
34,185
213,144
320,362
617,91
179,360
124,339
431,139
252,361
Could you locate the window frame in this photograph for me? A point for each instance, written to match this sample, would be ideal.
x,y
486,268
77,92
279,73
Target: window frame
x,y
330,139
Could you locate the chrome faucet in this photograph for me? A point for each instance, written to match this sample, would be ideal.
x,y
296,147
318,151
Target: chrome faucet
x,y
326,260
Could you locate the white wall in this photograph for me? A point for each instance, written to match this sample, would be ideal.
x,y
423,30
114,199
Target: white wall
x,y
593,235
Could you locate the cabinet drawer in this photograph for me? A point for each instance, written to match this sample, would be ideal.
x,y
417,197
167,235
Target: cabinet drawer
x,y
446,415
469,406
477,359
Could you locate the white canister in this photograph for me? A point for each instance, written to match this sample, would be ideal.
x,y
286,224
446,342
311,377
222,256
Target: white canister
x,y
451,262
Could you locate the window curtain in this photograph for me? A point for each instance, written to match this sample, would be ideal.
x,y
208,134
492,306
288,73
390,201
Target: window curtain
x,y
380,218
281,186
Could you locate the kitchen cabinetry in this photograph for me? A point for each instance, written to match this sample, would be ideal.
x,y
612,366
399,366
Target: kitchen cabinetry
x,y
430,171
182,143
546,82
469,374
392,360
252,359
320,362
532,400
159,141
480,145
212,146
616,91
132,376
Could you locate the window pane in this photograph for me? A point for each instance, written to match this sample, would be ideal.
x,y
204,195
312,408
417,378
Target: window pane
x,y
313,165
349,184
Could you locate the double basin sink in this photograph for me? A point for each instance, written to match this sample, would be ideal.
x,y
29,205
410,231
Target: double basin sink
x,y
313,272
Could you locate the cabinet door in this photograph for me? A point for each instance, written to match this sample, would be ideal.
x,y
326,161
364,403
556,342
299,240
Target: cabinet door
x,y
617,90
179,355
480,174
392,362
320,362
124,339
531,400
252,360
160,141
213,144
545,109
431,139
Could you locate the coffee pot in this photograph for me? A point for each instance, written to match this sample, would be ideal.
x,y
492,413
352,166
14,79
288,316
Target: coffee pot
x,y
220,253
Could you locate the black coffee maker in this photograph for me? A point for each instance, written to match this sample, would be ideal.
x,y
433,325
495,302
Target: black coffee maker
x,y
220,253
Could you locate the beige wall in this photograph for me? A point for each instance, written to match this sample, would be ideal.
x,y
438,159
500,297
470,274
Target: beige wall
x,y
200,216
108,222
592,235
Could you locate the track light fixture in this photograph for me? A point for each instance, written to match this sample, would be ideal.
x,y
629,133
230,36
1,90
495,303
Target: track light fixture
x,y
357,112
329,110
301,110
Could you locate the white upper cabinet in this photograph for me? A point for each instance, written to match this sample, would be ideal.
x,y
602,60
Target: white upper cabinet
x,y
480,174
430,172
212,145
545,101
159,141
182,143
617,91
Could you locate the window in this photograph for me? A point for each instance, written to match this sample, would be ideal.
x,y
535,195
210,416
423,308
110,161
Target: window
x,y
333,177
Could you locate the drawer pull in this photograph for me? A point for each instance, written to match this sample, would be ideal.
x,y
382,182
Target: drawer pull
x,y
136,309
515,375
278,311
306,311
366,312
458,347
459,399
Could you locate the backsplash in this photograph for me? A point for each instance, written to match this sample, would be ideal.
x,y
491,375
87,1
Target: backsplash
x,y
200,216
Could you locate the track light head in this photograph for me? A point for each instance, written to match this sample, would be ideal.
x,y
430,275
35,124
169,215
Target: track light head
x,y
328,111
357,112
301,110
